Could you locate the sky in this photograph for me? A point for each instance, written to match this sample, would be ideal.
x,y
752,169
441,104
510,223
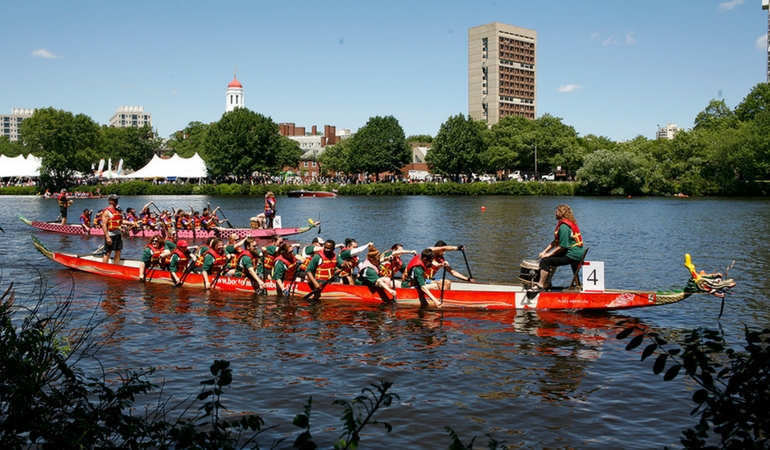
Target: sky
x,y
610,68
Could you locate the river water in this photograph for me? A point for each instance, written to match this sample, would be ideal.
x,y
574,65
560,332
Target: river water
x,y
531,379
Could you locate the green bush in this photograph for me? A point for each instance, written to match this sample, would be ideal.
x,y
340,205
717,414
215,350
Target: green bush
x,y
733,391
19,190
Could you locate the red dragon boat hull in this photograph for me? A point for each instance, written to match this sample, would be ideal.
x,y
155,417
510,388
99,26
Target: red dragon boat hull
x,y
460,296
222,233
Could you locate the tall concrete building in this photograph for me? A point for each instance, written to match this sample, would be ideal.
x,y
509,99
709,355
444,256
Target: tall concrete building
x,y
502,72
130,116
11,123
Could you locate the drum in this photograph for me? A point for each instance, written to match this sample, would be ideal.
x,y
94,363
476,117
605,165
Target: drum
x,y
530,272
254,222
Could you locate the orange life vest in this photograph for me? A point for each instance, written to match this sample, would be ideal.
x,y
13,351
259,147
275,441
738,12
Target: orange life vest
x,y
269,262
325,270
155,257
116,220
291,268
183,261
430,272
575,232
219,261
409,272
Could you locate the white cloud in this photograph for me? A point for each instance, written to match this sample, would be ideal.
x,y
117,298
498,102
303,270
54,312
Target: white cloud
x,y
630,39
43,53
761,42
568,88
614,40
729,6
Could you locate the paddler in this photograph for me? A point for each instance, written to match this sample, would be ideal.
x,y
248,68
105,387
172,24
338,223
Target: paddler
x,y
152,256
439,262
179,262
565,249
414,276
369,273
111,222
285,270
85,220
390,260
246,263
322,266
214,261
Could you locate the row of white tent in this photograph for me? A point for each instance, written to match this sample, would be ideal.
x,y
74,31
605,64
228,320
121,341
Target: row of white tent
x,y
174,167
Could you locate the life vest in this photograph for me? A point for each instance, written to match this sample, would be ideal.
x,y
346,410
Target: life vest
x,y
155,257
435,266
291,268
63,200
269,262
346,269
325,270
390,266
575,232
409,272
196,222
116,220
269,207
239,264
183,261
362,270
219,261
308,258
85,219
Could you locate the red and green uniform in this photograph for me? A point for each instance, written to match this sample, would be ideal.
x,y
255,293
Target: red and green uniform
x,y
569,237
245,262
322,267
213,262
414,275
178,261
285,269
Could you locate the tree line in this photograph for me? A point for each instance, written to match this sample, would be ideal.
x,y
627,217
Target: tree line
x,y
727,152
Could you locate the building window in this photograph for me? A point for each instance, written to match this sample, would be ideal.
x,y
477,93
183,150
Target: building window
x,y
313,163
305,163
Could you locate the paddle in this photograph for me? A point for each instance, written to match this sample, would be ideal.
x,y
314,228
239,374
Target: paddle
x,y
225,217
467,266
156,207
317,292
1,229
187,270
443,278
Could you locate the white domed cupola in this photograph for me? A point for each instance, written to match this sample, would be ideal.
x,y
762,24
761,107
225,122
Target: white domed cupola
x,y
234,95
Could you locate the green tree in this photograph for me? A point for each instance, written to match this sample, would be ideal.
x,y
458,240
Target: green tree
x,y
288,152
135,146
508,138
420,139
243,142
66,143
380,146
608,172
758,101
459,148
10,148
336,158
191,140
716,115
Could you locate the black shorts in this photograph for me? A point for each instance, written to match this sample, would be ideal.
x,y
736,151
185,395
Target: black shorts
x,y
63,211
117,244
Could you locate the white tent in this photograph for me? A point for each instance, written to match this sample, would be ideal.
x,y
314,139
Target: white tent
x,y
20,167
178,167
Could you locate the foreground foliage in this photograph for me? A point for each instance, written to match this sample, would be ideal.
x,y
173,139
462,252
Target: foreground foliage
x,y
733,391
46,401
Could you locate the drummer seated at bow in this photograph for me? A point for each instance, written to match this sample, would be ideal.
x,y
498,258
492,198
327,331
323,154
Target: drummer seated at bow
x,y
440,263
566,248
414,276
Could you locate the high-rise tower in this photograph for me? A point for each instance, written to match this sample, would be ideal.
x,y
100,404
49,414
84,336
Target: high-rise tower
x,y
502,72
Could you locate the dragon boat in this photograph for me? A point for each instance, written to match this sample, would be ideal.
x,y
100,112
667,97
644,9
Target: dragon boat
x,y
461,295
219,232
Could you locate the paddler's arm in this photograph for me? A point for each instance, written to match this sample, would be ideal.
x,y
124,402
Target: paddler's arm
x,y
311,269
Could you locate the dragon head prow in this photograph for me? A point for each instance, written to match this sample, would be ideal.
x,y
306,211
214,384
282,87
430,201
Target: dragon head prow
x,y
712,283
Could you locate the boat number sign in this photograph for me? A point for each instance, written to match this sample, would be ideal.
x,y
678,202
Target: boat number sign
x,y
593,276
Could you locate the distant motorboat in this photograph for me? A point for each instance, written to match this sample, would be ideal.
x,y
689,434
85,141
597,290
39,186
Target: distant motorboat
x,y
302,193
